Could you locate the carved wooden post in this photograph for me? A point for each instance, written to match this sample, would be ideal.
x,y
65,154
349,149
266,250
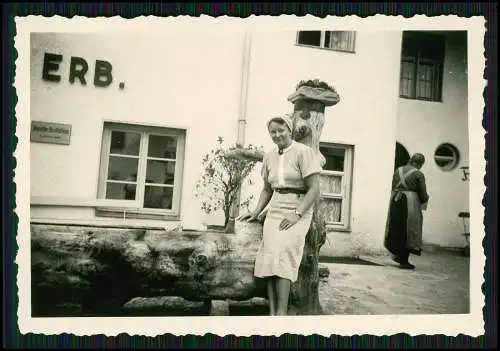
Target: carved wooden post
x,y
310,100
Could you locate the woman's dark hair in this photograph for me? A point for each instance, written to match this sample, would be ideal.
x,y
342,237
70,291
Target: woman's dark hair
x,y
417,160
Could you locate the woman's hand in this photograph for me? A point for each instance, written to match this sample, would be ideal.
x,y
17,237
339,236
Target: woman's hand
x,y
289,221
249,217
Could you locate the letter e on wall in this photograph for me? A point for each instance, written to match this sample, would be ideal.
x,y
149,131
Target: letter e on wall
x,y
51,63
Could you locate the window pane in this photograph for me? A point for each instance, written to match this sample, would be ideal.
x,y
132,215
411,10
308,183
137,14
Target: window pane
x,y
116,191
158,197
122,168
425,81
443,162
162,146
407,69
445,151
331,184
333,210
125,143
409,46
406,88
340,40
406,83
160,172
334,158
310,37
424,90
431,48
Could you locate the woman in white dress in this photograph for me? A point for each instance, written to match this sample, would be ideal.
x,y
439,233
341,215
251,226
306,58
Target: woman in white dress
x,y
291,186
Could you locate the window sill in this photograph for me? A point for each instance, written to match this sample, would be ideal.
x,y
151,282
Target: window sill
x,y
78,222
326,49
331,228
420,99
330,196
117,213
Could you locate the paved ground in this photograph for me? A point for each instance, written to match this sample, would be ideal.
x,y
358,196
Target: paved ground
x,y
439,284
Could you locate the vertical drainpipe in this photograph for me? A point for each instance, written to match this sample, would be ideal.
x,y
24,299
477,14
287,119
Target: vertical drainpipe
x,y
242,112
245,72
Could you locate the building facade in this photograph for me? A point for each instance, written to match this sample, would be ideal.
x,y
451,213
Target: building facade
x,y
433,120
136,114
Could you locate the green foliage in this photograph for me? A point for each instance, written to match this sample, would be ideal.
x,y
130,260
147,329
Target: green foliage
x,y
222,178
316,83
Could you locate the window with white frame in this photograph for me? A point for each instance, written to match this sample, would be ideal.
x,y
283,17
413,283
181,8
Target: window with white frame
x,y
332,40
336,180
144,164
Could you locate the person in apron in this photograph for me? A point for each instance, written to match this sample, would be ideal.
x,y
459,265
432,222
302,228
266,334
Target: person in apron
x,y
403,234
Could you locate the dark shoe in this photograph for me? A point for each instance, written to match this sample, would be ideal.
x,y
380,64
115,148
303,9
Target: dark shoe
x,y
398,260
406,266
416,252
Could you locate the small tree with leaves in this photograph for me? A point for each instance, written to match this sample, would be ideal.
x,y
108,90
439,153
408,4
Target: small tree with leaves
x,y
222,179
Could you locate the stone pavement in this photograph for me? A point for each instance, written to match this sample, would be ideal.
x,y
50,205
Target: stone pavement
x,y
438,285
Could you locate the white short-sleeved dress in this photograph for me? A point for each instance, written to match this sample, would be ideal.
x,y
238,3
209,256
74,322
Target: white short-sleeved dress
x,y
280,252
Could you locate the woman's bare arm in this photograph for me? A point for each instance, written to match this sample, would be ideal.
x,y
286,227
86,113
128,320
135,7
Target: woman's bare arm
x,y
264,198
312,183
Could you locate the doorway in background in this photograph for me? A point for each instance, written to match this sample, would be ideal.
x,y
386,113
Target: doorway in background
x,y
402,156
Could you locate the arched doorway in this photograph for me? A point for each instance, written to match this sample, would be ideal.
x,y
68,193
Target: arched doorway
x,y
402,156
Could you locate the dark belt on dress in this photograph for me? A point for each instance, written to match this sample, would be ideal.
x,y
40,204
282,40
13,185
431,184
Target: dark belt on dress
x,y
290,191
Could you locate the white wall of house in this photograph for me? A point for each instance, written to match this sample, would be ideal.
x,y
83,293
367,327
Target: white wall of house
x,y
178,80
192,81
422,126
367,82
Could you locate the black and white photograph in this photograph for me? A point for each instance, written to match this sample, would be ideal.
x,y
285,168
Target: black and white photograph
x,y
257,176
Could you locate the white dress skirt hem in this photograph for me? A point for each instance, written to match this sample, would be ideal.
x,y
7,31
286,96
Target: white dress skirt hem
x,y
280,251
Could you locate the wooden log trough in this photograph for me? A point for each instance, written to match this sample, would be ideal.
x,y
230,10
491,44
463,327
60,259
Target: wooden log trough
x,y
102,269
86,271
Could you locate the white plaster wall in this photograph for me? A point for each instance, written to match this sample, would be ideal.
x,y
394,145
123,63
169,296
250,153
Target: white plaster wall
x,y
422,127
179,79
367,82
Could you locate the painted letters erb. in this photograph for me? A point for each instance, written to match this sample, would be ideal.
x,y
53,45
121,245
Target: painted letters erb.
x,y
78,70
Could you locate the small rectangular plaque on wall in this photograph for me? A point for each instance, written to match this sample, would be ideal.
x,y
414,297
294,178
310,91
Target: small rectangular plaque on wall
x,y
51,133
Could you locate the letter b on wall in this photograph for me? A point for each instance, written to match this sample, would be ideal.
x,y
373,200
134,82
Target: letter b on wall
x,y
102,75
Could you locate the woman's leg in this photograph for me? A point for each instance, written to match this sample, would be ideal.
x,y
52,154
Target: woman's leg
x,y
283,292
271,295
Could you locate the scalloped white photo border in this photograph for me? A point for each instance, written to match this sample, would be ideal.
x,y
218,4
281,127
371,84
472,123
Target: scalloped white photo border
x,y
469,324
